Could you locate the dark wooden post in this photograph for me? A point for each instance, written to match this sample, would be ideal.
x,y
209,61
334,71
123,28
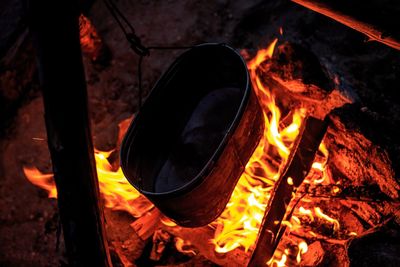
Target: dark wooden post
x,y
54,25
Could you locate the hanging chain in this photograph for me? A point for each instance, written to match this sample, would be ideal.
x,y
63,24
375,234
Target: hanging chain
x,y
135,41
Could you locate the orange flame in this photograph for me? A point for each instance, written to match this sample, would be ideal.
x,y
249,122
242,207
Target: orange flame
x,y
42,180
322,215
180,245
116,190
275,261
118,194
239,223
303,248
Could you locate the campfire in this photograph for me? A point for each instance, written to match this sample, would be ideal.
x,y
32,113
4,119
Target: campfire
x,y
296,161
331,208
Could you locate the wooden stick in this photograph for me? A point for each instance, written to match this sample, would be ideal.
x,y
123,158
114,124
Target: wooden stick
x,y
373,32
54,25
146,225
299,164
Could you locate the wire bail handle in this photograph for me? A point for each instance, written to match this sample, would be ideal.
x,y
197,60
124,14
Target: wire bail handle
x,y
137,45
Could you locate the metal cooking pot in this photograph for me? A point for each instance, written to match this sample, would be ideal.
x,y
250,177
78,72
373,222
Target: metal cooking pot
x,y
191,140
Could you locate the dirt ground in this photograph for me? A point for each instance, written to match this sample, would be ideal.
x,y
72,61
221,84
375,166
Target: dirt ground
x,y
369,72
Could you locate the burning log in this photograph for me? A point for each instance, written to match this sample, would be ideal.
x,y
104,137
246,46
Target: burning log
x,y
352,146
147,224
297,168
300,71
348,17
298,78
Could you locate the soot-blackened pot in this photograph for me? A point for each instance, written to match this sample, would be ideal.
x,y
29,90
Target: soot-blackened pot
x,y
191,140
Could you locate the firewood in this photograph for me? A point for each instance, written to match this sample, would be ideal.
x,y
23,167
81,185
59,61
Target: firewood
x,y
147,224
126,245
374,32
300,70
316,107
297,167
352,146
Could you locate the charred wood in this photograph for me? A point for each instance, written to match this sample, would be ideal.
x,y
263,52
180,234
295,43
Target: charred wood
x,y
299,70
298,79
146,225
356,157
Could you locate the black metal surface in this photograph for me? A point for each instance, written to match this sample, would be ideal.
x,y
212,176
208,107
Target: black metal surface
x,y
189,143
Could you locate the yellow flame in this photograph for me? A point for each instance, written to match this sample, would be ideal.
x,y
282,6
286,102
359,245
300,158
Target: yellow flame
x,y
307,212
118,194
303,248
239,223
167,222
42,180
278,262
180,244
319,167
116,190
320,214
